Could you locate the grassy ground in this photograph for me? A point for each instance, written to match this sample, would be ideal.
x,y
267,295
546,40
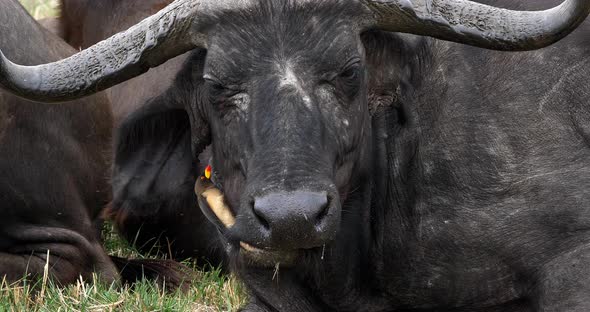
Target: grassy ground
x,y
211,291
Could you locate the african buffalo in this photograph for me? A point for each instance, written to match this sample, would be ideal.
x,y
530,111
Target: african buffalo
x,y
356,169
54,165
154,205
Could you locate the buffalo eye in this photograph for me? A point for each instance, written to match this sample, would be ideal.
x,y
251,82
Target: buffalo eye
x,y
218,91
228,101
348,81
351,73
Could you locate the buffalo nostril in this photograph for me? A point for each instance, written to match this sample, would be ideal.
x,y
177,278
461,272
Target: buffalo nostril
x,y
323,211
260,216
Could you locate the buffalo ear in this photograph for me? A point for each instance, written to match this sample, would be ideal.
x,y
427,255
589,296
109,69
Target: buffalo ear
x,y
156,165
384,73
391,64
183,100
154,174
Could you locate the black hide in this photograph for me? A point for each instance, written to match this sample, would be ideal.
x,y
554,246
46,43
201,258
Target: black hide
x,y
470,193
53,168
458,176
154,206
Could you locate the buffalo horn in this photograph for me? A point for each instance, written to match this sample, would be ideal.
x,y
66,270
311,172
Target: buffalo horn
x,y
478,24
176,29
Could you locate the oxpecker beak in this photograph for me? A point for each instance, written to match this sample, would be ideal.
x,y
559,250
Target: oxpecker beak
x,y
205,189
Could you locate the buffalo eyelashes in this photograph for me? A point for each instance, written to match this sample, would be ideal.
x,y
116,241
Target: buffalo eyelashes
x,y
217,89
351,73
348,81
224,98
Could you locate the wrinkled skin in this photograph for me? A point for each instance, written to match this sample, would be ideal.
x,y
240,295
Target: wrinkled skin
x,y
466,190
55,163
458,182
154,206
53,168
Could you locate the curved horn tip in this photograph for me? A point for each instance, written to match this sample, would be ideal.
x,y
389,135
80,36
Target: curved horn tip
x,y
478,24
145,45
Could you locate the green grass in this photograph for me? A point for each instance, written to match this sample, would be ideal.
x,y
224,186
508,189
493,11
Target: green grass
x,y
210,291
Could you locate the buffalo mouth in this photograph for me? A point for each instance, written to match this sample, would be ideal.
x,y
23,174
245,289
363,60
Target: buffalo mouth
x,y
212,203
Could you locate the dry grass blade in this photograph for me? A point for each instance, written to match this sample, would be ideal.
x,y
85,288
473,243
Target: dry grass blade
x,y
210,291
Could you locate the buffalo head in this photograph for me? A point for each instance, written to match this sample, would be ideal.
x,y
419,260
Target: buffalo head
x,y
286,107
282,97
